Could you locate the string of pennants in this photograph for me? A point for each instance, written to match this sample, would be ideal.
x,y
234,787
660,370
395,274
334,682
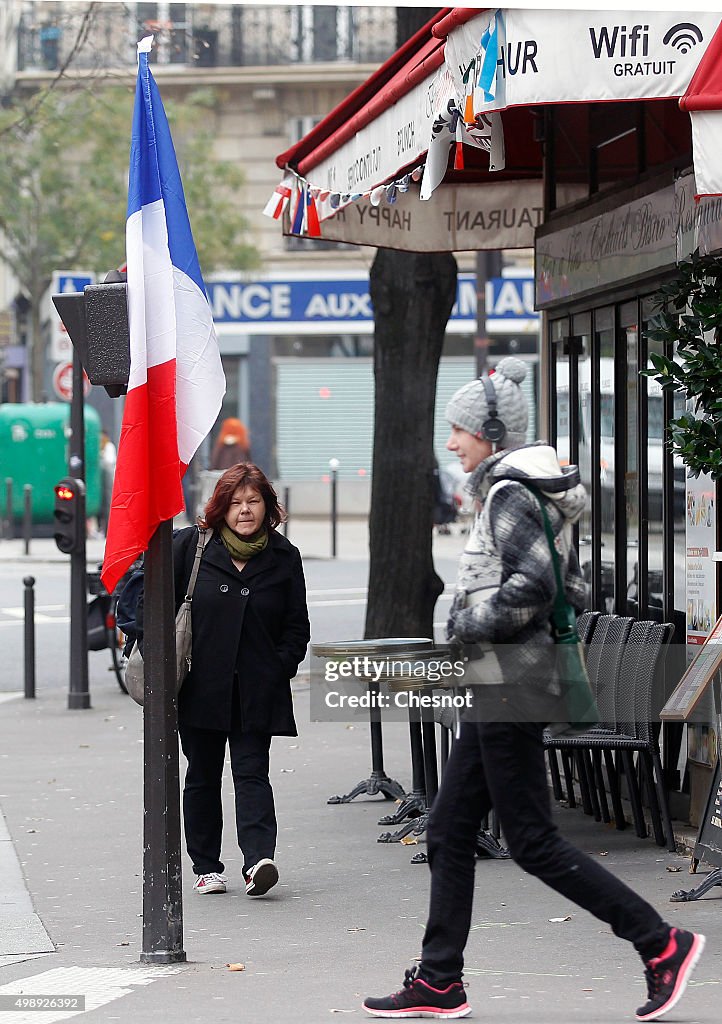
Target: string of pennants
x,y
312,204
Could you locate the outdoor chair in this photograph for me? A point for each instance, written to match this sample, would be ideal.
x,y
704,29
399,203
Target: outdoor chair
x,y
597,740
604,657
636,732
626,728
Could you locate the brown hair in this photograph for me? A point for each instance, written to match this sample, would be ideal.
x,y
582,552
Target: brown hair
x,y
243,474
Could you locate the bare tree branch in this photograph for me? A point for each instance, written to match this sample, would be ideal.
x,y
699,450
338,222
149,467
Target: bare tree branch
x,y
38,98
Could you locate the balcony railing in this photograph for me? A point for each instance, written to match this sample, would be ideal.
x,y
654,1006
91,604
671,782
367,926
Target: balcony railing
x,y
204,36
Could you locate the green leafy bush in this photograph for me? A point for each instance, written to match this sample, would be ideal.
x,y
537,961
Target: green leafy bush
x,y
690,313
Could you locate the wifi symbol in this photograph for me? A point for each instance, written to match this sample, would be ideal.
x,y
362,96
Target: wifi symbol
x,y
683,36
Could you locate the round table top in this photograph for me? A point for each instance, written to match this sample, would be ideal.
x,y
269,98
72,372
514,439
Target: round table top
x,y
386,646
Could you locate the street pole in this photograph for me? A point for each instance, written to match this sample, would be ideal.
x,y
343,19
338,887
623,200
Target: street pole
x,y
334,466
488,265
162,881
8,530
286,505
29,635
78,692
27,516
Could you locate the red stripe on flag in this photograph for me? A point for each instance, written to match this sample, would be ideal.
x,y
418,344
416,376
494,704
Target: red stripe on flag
x,y
147,486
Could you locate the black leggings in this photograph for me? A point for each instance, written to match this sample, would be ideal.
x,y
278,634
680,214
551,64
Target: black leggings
x,y
501,766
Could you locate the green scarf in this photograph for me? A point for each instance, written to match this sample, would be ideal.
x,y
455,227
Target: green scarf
x,y
244,549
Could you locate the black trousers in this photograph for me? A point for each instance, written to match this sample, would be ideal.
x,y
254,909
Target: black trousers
x,y
256,827
501,766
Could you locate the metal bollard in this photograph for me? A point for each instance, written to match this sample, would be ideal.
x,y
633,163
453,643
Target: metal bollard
x,y
286,503
27,516
8,530
333,466
29,602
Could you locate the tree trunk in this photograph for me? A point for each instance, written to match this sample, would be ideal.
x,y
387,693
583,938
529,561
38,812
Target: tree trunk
x,y
412,295
37,353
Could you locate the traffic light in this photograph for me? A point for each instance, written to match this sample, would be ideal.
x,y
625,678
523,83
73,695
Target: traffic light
x,y
96,320
69,515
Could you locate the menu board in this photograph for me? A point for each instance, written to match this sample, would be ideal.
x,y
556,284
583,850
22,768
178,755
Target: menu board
x,y
709,840
693,684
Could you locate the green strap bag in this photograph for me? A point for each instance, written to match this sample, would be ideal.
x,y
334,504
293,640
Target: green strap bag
x,y
577,710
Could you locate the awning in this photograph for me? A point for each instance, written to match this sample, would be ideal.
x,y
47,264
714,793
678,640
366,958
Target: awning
x,y
473,84
703,100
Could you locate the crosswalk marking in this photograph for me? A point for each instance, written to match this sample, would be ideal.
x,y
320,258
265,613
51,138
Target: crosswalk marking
x,y
99,985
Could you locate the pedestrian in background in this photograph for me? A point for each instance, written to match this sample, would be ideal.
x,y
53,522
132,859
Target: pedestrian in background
x,y
506,586
232,445
250,633
444,505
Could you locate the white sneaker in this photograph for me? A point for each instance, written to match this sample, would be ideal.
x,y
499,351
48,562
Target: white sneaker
x,y
262,877
212,882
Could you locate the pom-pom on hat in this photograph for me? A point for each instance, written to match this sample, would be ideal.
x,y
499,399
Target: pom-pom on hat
x,y
469,407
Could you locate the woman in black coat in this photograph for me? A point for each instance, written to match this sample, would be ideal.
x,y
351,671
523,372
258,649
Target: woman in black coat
x,y
250,633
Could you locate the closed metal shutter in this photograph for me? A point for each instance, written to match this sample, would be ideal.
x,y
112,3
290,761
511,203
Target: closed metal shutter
x,y
325,410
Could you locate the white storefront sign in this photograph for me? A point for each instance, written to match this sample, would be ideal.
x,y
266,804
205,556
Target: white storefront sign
x,y
560,56
462,217
398,137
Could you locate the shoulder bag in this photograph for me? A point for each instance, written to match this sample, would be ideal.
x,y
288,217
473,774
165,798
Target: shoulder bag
x,y
577,710
135,669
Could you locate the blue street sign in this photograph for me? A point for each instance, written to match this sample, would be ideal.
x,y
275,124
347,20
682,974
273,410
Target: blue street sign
x,y
73,282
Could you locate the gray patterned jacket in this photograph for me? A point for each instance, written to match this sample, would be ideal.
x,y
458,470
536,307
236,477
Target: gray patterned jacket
x,y
505,582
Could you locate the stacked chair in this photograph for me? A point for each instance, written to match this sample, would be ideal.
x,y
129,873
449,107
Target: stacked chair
x,y
624,659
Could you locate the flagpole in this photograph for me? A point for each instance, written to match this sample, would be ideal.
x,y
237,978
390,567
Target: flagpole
x,y
175,391
162,879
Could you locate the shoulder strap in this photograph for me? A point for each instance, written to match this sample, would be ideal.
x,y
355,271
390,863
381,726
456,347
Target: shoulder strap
x,y
203,537
559,617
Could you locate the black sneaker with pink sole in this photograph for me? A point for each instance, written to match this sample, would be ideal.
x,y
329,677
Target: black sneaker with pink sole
x,y
419,999
667,975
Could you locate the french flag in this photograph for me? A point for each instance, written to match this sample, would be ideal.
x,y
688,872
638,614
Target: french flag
x,y
176,382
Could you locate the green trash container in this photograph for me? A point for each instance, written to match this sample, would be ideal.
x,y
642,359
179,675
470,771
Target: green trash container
x,y
34,450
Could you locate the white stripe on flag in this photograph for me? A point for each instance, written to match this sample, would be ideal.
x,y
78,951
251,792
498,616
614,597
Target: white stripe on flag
x,y
200,382
151,307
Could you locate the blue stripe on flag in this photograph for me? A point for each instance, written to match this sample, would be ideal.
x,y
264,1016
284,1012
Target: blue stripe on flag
x,y
154,172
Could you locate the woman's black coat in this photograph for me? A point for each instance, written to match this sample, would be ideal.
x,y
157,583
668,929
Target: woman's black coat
x,y
252,623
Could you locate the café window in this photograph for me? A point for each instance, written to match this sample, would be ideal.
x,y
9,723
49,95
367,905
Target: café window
x,y
610,422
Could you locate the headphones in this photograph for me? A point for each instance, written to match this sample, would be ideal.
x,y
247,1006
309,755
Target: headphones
x,y
493,428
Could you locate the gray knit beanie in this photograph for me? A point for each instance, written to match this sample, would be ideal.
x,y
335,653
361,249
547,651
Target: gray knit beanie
x,y
469,408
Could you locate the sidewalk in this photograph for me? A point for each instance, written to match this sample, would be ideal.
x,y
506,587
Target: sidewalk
x,y
346,918
348,914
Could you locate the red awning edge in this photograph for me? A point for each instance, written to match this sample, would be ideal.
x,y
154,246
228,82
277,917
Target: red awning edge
x,y
704,92
459,16
361,95
403,83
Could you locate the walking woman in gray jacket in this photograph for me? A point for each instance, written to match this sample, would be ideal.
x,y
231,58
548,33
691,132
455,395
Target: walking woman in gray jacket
x,y
506,587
